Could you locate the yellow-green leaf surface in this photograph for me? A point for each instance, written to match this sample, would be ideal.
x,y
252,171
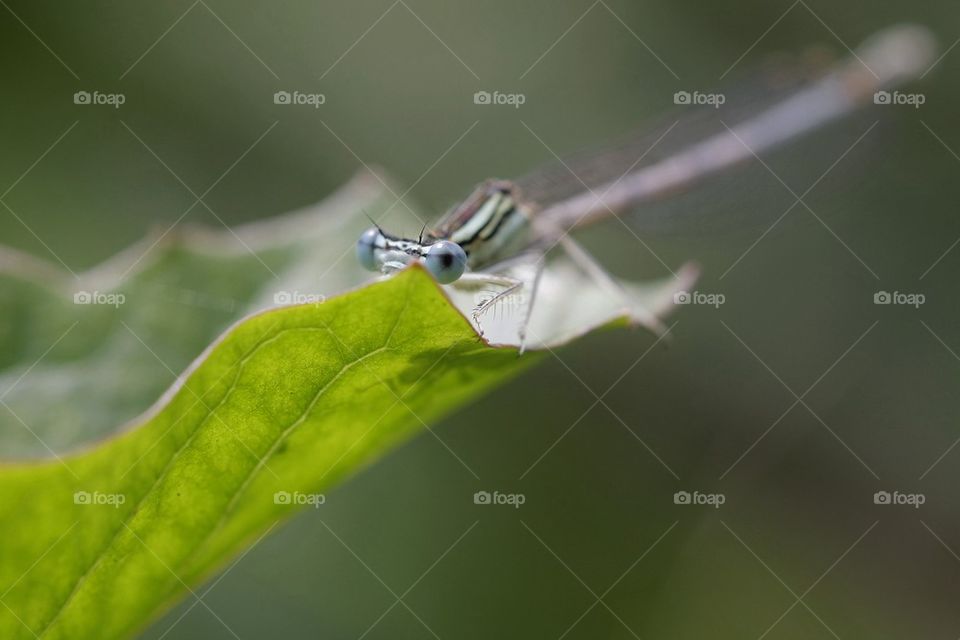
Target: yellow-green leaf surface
x,y
103,526
111,510
287,401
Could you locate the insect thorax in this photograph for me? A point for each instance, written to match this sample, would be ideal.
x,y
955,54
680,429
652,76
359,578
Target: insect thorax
x,y
491,224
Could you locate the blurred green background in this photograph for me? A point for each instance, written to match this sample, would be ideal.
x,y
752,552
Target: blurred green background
x,y
798,549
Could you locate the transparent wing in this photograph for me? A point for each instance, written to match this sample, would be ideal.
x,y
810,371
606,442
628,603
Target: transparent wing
x,y
783,108
683,126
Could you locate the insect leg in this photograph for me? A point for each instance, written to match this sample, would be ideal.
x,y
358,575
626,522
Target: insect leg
x,y
522,331
472,280
602,277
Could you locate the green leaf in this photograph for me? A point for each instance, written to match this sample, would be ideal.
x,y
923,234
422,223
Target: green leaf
x,y
109,527
181,288
288,401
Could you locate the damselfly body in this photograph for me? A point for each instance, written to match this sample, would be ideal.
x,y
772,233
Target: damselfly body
x,y
503,222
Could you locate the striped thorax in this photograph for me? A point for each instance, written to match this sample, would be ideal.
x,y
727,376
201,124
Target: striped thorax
x,y
491,224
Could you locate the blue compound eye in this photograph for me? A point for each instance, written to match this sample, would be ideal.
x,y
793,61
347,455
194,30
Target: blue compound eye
x,y
366,249
446,261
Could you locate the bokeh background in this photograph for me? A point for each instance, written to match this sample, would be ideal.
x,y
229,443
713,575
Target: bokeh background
x,y
799,549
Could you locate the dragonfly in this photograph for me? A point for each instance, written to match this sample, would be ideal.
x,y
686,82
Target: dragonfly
x,y
503,223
